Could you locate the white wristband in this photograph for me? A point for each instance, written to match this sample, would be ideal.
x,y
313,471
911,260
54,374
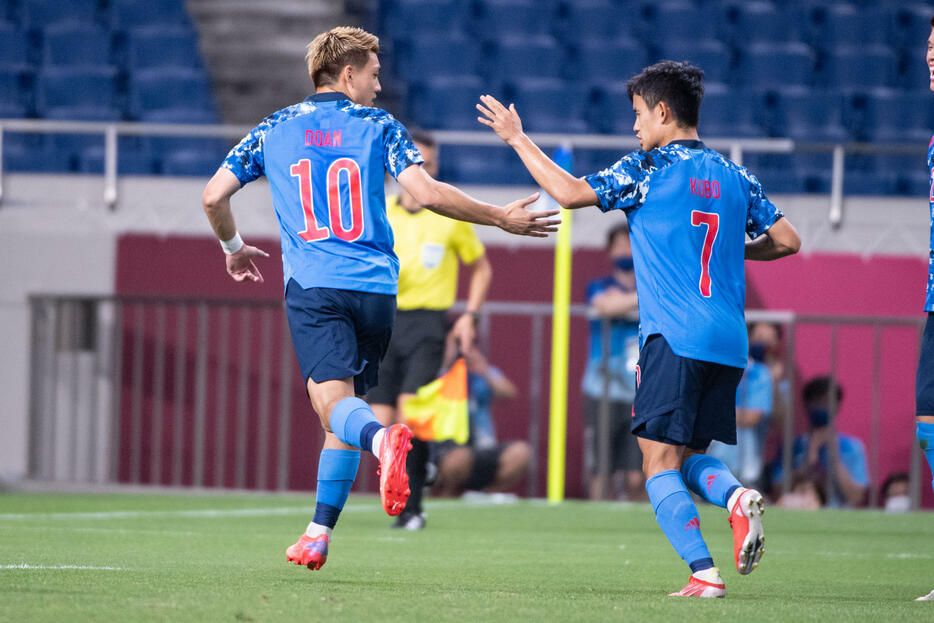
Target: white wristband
x,y
233,245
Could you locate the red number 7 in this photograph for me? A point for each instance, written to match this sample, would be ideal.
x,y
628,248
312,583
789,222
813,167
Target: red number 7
x,y
712,221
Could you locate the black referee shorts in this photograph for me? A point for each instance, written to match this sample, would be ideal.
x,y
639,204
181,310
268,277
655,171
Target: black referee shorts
x,y
414,355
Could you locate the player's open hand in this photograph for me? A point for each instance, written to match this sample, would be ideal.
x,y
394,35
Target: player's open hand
x,y
504,121
240,265
518,219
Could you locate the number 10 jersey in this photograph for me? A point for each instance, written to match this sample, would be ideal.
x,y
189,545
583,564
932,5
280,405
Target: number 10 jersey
x,y
688,208
325,159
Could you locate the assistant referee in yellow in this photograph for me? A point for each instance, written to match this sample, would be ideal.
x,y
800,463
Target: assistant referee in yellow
x,y
430,248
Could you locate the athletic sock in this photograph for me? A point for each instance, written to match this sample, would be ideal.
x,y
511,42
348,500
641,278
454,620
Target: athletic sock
x,y
709,478
676,514
377,441
337,470
710,574
925,434
416,464
353,422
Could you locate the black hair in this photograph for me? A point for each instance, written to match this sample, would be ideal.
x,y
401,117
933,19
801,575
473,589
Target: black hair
x,y
820,387
613,232
678,84
891,479
423,137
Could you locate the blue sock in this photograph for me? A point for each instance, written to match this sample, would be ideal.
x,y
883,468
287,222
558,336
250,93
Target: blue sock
x,y
676,514
925,434
337,470
709,478
350,419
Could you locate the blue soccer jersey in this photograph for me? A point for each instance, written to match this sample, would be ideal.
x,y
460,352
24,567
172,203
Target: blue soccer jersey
x,y
325,160
688,208
929,299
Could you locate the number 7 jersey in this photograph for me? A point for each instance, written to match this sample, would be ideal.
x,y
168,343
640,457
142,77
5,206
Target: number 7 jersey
x,y
325,160
688,209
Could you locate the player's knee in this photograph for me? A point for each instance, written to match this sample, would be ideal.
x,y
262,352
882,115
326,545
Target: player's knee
x,y
516,456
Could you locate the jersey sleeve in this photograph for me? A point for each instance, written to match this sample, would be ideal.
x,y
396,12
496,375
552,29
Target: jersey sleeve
x,y
399,150
246,160
853,457
466,244
761,213
623,185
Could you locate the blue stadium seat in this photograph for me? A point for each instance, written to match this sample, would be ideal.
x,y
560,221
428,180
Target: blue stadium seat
x,y
129,14
912,68
533,57
201,162
761,22
429,56
727,111
446,102
40,14
911,24
775,171
469,164
809,114
888,115
844,24
498,18
27,152
433,17
611,110
679,21
585,20
856,67
709,54
14,99
777,65
14,47
133,158
546,105
171,96
598,60
163,48
70,45
587,161
78,94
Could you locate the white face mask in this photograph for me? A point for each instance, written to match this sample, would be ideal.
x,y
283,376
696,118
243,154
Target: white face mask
x,y
898,504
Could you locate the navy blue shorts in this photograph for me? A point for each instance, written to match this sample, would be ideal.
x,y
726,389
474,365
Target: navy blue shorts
x,y
339,334
924,381
682,401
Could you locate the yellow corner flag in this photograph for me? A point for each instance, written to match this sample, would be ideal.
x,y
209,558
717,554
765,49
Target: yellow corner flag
x,y
438,411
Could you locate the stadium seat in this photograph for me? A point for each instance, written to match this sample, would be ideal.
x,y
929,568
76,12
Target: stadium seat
x,y
78,94
201,162
498,18
171,96
727,111
470,164
911,24
679,21
844,24
586,20
434,17
892,116
775,171
14,101
528,57
14,47
760,22
446,102
809,114
856,67
611,110
430,56
133,158
40,14
129,14
595,61
161,48
912,69
709,54
777,65
546,105
70,45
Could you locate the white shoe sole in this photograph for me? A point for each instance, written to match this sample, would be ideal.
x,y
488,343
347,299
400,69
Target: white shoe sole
x,y
752,506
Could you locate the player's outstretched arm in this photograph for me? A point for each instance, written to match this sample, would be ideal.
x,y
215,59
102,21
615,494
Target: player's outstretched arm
x,y
779,240
216,203
449,201
567,190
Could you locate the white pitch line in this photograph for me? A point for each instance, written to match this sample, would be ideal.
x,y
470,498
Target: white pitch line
x,y
61,567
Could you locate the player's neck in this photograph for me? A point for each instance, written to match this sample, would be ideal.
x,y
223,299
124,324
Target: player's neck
x,y
679,134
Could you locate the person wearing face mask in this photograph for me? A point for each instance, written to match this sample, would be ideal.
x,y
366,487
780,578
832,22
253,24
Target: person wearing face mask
x,y
613,305
813,455
753,411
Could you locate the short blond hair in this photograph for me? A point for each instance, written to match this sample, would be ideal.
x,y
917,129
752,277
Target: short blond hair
x,y
333,50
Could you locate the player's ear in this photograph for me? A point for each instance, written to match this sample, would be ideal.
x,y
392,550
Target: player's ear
x,y
663,110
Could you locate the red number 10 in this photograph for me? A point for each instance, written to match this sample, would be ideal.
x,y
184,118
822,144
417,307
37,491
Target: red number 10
x,y
313,231
712,221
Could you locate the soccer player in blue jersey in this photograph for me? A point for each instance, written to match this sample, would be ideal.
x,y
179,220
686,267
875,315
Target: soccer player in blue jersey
x,y
325,160
688,208
924,381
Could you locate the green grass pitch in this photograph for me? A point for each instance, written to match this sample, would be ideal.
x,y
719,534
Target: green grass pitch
x,y
222,558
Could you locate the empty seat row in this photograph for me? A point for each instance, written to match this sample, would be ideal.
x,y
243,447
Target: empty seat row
x,y
113,14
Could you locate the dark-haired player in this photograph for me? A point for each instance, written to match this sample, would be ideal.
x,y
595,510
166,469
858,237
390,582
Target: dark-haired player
x,y
924,382
325,159
688,209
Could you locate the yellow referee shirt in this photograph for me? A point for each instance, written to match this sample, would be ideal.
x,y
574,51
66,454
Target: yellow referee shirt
x,y
428,246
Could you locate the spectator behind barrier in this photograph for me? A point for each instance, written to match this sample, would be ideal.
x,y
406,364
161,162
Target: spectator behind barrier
x,y
847,465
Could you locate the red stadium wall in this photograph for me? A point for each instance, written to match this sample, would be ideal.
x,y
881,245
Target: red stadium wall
x,y
817,283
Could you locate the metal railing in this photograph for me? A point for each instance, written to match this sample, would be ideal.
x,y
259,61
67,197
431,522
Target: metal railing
x,y
735,147
206,393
